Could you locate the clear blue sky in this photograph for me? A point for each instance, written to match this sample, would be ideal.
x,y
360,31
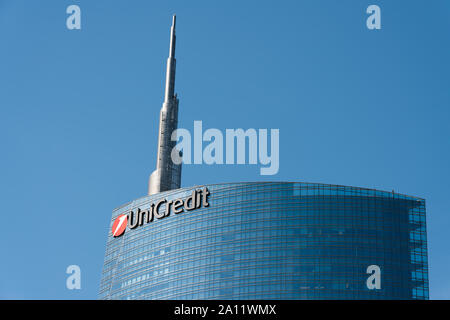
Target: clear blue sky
x,y
79,113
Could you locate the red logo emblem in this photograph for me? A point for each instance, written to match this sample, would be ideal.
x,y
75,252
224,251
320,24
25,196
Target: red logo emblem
x,y
119,225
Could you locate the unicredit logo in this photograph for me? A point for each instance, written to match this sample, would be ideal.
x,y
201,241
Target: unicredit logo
x,y
119,225
159,210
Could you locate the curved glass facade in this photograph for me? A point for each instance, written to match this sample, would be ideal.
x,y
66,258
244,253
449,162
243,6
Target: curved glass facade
x,y
272,240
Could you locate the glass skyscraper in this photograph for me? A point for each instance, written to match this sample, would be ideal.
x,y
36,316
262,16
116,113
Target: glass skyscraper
x,y
268,240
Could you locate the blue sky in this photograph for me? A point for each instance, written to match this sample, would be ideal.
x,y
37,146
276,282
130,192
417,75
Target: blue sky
x,y
79,113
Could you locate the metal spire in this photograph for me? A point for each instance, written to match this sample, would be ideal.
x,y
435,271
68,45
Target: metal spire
x,y
167,175
170,74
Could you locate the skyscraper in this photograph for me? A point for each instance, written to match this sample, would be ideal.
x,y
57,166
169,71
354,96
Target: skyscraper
x,y
269,240
167,175
261,240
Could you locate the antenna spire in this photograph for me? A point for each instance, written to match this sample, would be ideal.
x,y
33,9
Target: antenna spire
x,y
172,36
171,62
167,175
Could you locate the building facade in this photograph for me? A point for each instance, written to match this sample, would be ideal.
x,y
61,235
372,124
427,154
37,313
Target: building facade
x,y
268,240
